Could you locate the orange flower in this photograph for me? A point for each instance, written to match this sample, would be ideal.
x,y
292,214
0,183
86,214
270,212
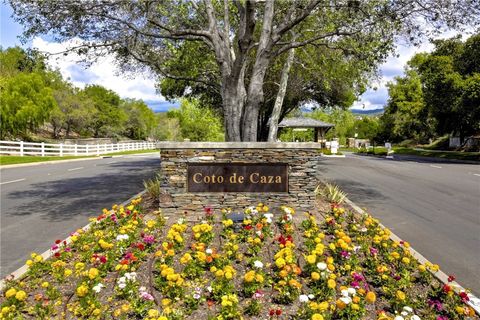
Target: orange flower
x,y
371,297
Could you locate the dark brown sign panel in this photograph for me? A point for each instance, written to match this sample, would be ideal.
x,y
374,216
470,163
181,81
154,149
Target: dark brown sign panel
x,y
236,177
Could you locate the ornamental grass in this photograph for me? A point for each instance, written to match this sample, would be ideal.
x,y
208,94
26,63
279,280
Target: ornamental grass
x,y
275,264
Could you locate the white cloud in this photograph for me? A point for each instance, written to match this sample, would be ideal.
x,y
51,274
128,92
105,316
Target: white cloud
x,y
103,72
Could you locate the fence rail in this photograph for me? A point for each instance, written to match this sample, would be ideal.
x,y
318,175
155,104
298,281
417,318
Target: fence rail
x,y
49,149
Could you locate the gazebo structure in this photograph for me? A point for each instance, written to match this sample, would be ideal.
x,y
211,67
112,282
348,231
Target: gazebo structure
x,y
320,127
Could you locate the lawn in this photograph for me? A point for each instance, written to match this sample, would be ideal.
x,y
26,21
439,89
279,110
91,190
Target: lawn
x,y
273,263
440,154
5,160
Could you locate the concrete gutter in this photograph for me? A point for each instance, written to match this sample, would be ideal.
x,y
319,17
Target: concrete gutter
x,y
22,271
474,302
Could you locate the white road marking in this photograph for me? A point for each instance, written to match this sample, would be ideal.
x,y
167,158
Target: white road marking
x,y
79,168
476,174
6,182
111,162
435,166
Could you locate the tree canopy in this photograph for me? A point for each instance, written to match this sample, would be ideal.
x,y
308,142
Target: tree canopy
x,y
244,38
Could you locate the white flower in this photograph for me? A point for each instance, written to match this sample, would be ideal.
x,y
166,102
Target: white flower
x,y
269,217
408,309
321,265
131,276
346,300
289,217
311,296
364,229
209,251
303,298
415,317
356,248
121,237
121,280
142,289
209,289
181,221
258,264
287,210
404,313
344,293
97,288
122,285
352,291
399,318
259,232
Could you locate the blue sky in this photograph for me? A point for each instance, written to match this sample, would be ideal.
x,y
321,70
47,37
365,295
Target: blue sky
x,y
143,86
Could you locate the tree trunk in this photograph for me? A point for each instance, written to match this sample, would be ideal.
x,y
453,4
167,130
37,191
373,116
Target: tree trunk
x,y
277,108
233,96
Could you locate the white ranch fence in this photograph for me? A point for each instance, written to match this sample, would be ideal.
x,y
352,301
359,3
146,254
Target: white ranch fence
x,y
22,148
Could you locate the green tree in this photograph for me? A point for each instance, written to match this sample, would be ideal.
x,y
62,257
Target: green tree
x,y
240,35
109,118
26,102
166,129
198,123
140,119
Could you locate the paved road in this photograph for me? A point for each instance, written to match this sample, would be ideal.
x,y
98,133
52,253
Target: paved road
x,y
434,206
42,203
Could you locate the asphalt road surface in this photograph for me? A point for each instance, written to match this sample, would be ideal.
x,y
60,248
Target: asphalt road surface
x,y
434,206
42,203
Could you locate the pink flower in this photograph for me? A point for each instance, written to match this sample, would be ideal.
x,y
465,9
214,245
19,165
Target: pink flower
x,y
149,239
146,296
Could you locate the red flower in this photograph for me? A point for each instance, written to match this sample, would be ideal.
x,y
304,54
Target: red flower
x,y
210,303
451,278
447,288
57,254
464,296
271,312
103,259
249,227
58,241
278,312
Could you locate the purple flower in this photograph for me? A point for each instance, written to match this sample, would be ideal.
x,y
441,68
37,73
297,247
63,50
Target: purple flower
x,y
357,277
442,318
355,284
373,251
68,249
258,294
435,304
196,296
149,239
146,296
345,254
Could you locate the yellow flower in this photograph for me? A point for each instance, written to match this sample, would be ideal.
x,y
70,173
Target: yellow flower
x,y
93,273
422,268
29,262
280,262
162,318
82,291
67,272
317,316
323,306
125,307
315,276
400,295
405,260
371,297
79,266
38,258
45,284
311,259
166,302
259,278
355,306
219,273
249,276
20,295
331,284
10,293
459,310
151,224
228,275
153,313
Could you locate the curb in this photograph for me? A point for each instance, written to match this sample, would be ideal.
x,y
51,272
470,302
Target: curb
x,y
474,302
333,155
21,272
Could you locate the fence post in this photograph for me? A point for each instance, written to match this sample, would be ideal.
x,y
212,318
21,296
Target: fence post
x,y
86,150
76,152
98,149
43,149
61,149
21,148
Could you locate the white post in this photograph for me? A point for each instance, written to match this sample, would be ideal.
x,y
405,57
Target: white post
x,y
98,149
21,148
86,150
61,149
43,149
76,151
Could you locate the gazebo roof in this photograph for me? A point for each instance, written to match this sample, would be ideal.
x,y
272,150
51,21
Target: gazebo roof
x,y
304,122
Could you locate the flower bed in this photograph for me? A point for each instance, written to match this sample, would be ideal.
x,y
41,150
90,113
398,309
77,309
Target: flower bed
x,y
280,265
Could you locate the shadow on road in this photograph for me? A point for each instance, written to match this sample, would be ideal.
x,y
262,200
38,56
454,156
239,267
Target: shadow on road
x,y
85,196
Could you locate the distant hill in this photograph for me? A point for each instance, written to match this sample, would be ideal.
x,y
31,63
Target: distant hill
x,y
373,112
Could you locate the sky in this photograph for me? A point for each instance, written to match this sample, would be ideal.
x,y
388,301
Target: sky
x,y
139,86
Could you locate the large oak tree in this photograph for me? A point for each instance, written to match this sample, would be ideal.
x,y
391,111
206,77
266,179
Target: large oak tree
x,y
245,37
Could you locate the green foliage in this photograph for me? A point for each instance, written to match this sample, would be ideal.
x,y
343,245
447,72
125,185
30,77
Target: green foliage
x,y
167,129
26,102
198,123
153,186
440,94
140,119
331,192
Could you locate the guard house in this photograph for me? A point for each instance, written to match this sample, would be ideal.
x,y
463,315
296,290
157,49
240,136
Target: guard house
x,y
320,127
